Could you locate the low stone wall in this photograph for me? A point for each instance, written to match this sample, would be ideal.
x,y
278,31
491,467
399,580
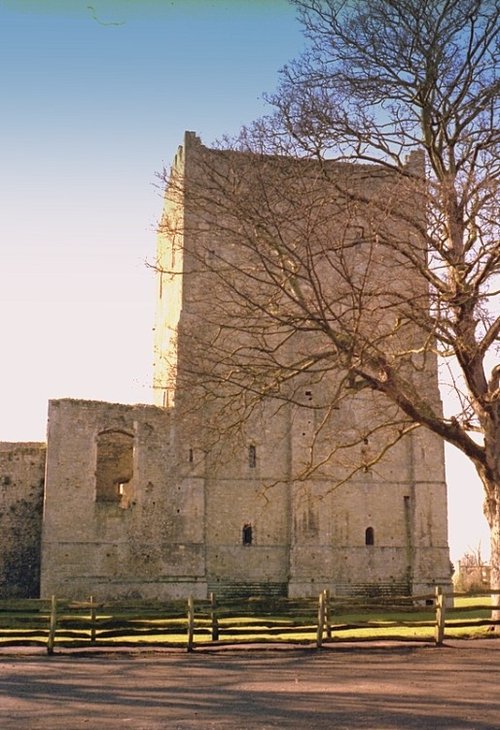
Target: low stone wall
x,y
22,470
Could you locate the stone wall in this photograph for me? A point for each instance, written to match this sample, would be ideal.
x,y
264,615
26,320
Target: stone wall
x,y
134,508
22,469
279,487
132,533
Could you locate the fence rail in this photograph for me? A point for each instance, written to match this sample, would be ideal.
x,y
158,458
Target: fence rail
x,y
314,621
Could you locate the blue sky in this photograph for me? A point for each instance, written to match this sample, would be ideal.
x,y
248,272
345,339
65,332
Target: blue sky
x,y
96,101
96,95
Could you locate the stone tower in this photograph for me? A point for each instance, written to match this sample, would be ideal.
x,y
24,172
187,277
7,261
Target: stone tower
x,y
297,488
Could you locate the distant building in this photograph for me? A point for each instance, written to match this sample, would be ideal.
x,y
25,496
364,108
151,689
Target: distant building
x,y
472,574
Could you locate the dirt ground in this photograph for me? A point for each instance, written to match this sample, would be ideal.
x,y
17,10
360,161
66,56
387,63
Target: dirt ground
x,y
345,686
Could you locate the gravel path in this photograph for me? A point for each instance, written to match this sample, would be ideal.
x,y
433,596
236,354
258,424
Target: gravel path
x,y
345,686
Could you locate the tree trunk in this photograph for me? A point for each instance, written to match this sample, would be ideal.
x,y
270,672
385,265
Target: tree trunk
x,y
492,511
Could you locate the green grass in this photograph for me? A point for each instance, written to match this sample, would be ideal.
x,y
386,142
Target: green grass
x,y
150,627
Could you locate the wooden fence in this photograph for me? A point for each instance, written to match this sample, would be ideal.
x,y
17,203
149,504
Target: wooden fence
x,y
195,623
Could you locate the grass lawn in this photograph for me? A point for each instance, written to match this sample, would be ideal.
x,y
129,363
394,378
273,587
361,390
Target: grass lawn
x,y
133,627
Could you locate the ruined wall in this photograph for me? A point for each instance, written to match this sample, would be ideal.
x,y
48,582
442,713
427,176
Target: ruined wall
x,y
22,468
133,532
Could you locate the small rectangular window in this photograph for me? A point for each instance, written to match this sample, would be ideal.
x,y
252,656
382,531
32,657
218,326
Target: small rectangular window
x,y
369,536
252,456
247,534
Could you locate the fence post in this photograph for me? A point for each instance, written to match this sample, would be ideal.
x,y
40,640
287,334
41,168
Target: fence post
x,y
52,625
440,616
213,617
190,625
321,619
327,614
92,621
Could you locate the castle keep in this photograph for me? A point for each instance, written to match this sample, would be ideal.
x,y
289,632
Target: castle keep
x,y
268,488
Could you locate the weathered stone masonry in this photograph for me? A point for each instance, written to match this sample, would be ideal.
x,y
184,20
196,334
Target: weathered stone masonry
x,y
141,535
139,501
22,469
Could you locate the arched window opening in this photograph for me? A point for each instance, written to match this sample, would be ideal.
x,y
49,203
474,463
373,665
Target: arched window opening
x,y
114,467
252,456
369,536
247,534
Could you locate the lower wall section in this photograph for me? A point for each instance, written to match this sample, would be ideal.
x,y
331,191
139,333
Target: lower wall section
x,y
133,510
122,571
104,589
228,591
22,469
365,590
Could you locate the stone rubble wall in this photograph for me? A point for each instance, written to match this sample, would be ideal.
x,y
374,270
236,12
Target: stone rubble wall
x,y
22,470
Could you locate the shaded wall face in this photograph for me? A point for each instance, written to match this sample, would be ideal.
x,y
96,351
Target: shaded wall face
x,y
22,468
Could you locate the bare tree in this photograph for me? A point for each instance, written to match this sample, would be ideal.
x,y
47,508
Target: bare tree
x,y
271,262
358,238
385,78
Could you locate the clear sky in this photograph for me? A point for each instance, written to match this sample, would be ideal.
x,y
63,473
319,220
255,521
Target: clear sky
x,y
96,95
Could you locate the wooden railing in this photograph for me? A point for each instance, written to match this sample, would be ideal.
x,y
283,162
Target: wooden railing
x,y
195,623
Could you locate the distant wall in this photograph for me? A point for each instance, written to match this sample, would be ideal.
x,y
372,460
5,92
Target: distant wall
x,y
22,469
471,577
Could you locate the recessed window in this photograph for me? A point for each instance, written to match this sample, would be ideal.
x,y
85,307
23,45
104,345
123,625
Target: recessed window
x,y
247,534
252,456
190,456
369,536
114,466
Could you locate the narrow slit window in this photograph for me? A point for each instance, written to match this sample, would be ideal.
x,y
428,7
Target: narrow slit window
x,y
252,456
247,534
369,536
365,456
190,456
